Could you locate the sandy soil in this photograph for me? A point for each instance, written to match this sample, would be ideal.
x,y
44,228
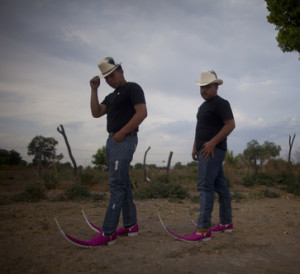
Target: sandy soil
x,y
266,239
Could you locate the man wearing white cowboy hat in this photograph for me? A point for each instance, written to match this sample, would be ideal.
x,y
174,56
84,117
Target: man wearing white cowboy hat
x,y
126,109
215,122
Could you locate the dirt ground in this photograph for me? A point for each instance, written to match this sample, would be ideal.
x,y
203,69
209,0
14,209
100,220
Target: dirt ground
x,y
266,239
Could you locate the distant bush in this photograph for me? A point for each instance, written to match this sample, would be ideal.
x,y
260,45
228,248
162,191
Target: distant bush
x,y
285,177
10,158
259,179
237,196
77,192
248,180
50,180
92,176
293,187
260,194
161,189
290,181
194,198
99,197
228,181
270,194
87,178
31,194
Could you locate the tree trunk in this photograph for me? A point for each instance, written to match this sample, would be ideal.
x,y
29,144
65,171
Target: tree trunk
x,y
61,130
40,160
255,166
291,142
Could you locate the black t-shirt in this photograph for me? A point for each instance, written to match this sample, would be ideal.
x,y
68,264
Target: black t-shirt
x,y
120,105
210,119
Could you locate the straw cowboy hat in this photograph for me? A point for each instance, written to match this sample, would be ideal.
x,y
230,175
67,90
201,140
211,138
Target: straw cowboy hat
x,y
208,77
107,66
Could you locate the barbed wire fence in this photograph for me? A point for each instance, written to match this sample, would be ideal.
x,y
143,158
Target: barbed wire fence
x,y
84,156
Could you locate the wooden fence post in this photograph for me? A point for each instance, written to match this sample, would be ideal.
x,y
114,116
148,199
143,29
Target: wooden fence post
x,y
61,130
145,169
169,164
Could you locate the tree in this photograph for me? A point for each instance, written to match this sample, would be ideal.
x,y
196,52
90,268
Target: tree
x,y
269,150
192,164
260,153
178,165
99,159
9,157
252,153
138,166
285,14
43,150
232,160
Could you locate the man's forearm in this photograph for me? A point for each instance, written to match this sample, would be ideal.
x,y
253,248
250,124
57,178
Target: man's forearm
x,y
223,133
135,121
95,106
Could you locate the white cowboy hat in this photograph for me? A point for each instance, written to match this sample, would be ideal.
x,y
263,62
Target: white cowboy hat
x,y
107,66
208,77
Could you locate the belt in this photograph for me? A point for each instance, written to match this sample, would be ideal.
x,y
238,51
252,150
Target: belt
x,y
132,133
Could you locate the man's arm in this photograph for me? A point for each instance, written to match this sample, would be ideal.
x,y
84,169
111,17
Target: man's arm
x,y
194,151
135,121
97,109
209,147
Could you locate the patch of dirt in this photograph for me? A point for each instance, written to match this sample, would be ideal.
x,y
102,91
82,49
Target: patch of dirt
x,y
266,239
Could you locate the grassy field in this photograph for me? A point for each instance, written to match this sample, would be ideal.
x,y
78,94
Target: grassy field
x,y
22,183
266,215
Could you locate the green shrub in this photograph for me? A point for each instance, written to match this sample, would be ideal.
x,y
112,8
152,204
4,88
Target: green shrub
x,y
237,196
248,180
270,194
99,197
87,177
293,187
259,179
77,192
256,194
290,180
50,180
31,194
228,181
194,198
259,194
265,179
161,189
284,178
292,184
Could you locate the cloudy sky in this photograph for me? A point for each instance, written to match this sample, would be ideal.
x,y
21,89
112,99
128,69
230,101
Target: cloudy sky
x,y
50,50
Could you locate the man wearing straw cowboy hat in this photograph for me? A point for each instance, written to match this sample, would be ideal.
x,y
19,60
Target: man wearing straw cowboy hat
x,y
215,122
126,109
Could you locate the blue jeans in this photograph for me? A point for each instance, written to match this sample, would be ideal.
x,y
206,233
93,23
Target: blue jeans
x,y
118,157
211,179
